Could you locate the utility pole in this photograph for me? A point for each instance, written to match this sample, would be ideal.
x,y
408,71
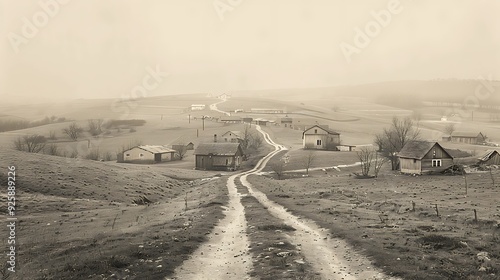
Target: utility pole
x,y
203,121
189,118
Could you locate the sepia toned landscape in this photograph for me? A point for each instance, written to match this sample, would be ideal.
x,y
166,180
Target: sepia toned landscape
x,y
220,140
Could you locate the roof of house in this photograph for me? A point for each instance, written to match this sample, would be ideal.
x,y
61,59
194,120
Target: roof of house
x,y
286,119
236,133
220,149
156,149
418,149
467,134
329,131
486,156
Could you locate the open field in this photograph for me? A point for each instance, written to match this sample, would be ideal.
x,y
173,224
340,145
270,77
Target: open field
x,y
376,216
77,219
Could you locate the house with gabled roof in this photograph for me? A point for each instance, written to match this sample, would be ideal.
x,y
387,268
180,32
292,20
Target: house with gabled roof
x,y
232,136
218,156
491,157
148,154
320,138
418,157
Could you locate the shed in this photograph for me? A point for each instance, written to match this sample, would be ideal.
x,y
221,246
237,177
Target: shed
x,y
218,156
491,157
320,138
149,154
190,146
418,157
468,137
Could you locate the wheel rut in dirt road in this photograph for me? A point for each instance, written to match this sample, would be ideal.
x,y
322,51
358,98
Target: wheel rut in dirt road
x,y
330,257
225,255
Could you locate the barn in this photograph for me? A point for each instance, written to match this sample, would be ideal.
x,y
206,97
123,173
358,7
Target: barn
x,y
468,137
418,157
218,156
491,157
321,138
148,154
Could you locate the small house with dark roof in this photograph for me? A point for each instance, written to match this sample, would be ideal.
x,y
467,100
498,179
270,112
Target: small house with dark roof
x,y
468,137
418,157
491,157
218,156
320,138
148,154
286,121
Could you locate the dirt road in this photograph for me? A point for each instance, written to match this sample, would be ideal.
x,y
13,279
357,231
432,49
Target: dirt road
x,y
225,255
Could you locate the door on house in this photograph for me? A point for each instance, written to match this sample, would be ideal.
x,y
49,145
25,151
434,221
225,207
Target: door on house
x,y
157,157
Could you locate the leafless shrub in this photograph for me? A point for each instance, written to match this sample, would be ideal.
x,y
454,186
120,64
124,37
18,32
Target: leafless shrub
x,y
52,150
95,126
73,131
278,168
93,154
365,156
107,156
30,143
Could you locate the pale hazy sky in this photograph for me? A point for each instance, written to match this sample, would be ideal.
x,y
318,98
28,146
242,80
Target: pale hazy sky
x,y
102,48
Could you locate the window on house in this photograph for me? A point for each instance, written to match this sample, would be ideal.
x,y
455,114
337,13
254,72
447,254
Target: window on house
x,y
225,139
433,153
315,131
227,161
127,155
141,155
436,163
318,142
414,160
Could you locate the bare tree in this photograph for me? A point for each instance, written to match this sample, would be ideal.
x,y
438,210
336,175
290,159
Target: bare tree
x,y
181,152
95,126
247,137
278,168
73,131
30,143
394,138
449,128
365,156
308,160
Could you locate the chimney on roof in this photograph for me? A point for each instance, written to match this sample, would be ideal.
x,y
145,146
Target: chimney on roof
x,y
215,138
